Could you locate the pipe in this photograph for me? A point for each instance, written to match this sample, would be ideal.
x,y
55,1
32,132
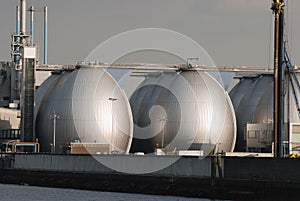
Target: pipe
x,y
18,16
23,17
45,34
32,24
18,20
278,123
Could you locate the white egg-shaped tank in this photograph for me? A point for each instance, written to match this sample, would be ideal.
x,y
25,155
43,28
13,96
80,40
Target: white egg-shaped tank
x,y
90,108
180,111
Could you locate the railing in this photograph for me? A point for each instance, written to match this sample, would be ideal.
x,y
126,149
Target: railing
x,y
10,134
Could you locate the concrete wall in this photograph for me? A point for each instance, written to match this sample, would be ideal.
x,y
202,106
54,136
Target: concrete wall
x,y
184,166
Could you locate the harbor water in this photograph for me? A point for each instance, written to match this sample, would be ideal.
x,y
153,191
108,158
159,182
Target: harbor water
x,y
32,193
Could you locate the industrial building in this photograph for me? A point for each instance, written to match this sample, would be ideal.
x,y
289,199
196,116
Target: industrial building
x,y
181,107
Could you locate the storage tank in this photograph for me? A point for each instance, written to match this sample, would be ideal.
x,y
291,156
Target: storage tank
x,y
253,100
246,96
91,108
180,111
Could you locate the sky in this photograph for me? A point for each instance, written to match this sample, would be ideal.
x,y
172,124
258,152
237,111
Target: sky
x,y
233,32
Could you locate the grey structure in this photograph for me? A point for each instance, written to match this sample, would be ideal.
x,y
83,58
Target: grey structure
x,y
83,100
182,110
8,85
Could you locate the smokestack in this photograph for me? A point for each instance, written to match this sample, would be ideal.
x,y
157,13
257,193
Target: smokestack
x,y
23,17
32,24
18,16
45,34
18,20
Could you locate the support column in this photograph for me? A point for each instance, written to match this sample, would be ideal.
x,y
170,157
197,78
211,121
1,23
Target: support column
x,y
27,112
278,9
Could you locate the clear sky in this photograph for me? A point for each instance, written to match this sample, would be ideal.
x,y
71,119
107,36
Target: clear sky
x,y
234,32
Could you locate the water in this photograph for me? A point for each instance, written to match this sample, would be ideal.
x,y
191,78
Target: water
x,y
32,193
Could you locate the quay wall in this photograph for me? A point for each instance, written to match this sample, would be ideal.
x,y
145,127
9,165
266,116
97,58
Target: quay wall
x,y
182,167
246,168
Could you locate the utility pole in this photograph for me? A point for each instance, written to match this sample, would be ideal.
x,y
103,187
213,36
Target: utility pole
x,y
278,123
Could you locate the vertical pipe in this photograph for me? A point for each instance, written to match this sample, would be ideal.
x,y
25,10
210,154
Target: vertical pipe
x,y
23,17
23,72
45,34
277,7
16,79
18,20
275,122
281,89
32,24
18,16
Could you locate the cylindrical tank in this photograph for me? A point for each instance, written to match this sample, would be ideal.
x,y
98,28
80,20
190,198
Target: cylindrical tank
x,y
91,107
180,111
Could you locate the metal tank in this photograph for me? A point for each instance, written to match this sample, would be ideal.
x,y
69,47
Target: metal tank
x,y
253,100
90,107
180,111
241,89
245,97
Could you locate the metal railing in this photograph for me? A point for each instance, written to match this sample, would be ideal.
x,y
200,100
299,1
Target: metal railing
x,y
10,134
